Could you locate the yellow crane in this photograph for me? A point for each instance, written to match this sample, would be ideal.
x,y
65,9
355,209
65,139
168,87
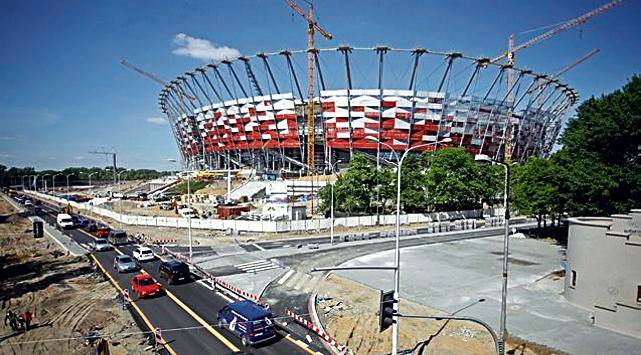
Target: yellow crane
x,y
509,54
311,28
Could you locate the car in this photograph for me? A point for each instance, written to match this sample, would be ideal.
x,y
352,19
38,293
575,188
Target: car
x,y
313,246
28,203
174,271
143,254
64,221
124,263
101,244
118,237
251,322
92,227
102,232
80,221
143,285
37,211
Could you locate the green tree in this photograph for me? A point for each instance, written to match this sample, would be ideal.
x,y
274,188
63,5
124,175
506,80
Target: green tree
x,y
454,181
600,156
535,188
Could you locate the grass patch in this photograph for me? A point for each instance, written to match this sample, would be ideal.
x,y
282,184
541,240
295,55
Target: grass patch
x,y
194,186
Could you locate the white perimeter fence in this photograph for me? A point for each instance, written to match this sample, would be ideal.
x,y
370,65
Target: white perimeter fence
x,y
271,226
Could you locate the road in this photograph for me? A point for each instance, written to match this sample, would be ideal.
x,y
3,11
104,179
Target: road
x,y
187,313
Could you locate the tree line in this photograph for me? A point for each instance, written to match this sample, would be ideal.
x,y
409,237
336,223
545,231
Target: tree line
x,y
13,175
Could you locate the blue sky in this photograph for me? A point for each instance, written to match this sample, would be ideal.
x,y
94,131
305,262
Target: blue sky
x,y
63,92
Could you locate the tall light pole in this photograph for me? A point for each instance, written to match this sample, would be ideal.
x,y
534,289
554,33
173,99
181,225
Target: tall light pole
x,y
68,175
485,159
120,202
54,181
397,249
95,172
188,206
331,230
44,180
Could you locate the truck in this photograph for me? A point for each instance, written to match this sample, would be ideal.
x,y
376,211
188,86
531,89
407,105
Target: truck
x,y
117,237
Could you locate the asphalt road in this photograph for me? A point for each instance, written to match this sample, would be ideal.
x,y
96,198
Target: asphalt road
x,y
189,308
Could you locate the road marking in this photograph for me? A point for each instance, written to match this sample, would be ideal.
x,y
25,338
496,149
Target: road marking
x,y
258,265
299,343
202,322
258,246
142,315
285,277
94,237
205,284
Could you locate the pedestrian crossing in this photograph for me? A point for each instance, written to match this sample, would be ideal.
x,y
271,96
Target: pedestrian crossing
x,y
300,281
258,266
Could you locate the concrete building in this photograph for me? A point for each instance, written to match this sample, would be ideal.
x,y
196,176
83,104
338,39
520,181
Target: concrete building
x,y
603,271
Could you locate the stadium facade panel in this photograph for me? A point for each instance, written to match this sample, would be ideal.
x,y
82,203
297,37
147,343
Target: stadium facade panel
x,y
219,119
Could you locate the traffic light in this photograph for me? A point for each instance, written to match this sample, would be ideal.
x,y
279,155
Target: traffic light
x,y
386,313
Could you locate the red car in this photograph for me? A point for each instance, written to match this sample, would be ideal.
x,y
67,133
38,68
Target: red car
x,y
103,232
145,286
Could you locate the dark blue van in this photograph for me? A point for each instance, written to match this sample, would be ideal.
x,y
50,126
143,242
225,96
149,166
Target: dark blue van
x,y
251,322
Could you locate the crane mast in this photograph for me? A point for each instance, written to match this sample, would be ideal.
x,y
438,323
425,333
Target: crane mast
x,y
113,155
311,129
512,49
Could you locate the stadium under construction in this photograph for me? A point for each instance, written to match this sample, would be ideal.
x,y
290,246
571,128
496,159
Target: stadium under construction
x,y
254,111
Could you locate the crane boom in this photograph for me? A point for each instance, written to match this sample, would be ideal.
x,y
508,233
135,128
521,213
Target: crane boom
x,y
154,78
579,61
576,21
309,19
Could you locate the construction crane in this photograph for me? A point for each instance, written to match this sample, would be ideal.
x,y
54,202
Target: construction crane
x,y
311,28
154,78
567,68
113,155
509,54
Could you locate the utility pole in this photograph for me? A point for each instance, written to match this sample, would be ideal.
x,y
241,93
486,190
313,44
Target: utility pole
x,y
113,155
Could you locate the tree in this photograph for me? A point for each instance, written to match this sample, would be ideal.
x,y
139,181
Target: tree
x,y
600,156
454,181
535,188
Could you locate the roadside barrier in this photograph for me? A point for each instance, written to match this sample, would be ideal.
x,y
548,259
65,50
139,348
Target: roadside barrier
x,y
304,322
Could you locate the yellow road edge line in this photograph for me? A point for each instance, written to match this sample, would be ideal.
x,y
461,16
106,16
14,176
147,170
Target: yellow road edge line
x,y
295,342
209,328
142,315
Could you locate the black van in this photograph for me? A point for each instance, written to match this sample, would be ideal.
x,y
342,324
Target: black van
x,y
174,271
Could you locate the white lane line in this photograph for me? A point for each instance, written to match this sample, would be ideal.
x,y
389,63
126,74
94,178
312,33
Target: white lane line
x,y
272,266
258,246
285,277
255,266
205,284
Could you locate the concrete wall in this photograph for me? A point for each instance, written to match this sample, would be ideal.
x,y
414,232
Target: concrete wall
x,y
605,256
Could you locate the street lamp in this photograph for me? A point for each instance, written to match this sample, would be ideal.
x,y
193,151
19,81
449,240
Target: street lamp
x,y
44,180
397,250
54,181
485,159
188,206
95,172
120,202
331,233
68,175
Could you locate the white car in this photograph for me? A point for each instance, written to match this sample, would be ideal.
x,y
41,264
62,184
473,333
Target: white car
x,y
143,254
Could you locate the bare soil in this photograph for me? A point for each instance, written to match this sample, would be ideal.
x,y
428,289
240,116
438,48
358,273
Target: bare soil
x,y
351,318
67,299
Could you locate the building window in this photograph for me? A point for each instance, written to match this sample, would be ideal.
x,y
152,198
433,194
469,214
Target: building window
x,y
573,278
639,294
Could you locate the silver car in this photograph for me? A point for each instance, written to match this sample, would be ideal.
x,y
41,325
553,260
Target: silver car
x,y
101,244
124,263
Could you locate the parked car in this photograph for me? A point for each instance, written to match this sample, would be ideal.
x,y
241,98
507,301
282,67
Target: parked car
x,y
101,244
124,263
143,254
102,232
252,323
143,285
174,271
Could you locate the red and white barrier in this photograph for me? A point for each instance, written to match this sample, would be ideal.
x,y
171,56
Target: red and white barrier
x,y
341,348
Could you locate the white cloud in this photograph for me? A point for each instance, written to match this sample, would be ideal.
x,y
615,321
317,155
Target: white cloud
x,y
157,120
202,49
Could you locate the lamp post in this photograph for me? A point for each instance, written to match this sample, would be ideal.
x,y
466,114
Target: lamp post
x,y
44,180
54,181
68,175
485,159
188,206
331,230
120,202
397,250
95,172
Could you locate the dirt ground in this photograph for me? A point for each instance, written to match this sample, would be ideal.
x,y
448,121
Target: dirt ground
x,y
351,318
67,299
